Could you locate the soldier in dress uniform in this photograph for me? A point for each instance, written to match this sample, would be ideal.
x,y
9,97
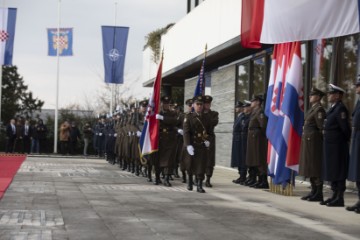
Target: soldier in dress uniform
x,y
167,141
354,164
197,143
336,148
256,151
311,156
240,135
100,130
212,121
181,150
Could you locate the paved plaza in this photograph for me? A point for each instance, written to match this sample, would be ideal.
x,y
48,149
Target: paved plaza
x,y
76,198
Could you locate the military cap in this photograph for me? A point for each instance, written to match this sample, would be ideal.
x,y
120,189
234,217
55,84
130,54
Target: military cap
x,y
207,99
144,103
198,99
239,104
315,91
357,81
247,103
165,99
335,89
257,98
189,102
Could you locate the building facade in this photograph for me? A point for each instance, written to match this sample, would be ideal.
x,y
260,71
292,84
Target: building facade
x,y
236,73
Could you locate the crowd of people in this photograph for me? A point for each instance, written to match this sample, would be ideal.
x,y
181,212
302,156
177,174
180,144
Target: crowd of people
x,y
324,153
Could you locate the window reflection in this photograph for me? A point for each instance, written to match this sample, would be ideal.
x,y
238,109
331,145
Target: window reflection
x,y
258,87
242,88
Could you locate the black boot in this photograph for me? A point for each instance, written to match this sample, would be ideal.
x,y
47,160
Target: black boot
x,y
237,181
318,196
242,179
183,177
338,201
167,182
199,187
137,170
176,173
190,183
124,167
157,180
263,182
149,175
258,182
354,207
207,182
133,168
251,180
329,199
311,193
129,167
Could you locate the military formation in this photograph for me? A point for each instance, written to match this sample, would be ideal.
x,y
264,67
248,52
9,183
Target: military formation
x,y
325,155
186,142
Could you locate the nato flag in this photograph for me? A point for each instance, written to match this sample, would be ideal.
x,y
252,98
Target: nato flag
x,y
114,50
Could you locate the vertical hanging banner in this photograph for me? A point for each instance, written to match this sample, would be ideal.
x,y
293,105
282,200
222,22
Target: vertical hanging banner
x,y
114,50
65,40
7,34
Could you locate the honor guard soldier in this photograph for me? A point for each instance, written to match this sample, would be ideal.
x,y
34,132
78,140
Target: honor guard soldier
x,y
212,120
256,153
240,135
167,141
196,142
311,155
354,164
336,148
181,148
100,130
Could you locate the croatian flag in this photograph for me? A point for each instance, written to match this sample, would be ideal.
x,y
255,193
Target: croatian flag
x,y
149,140
7,35
63,40
277,21
293,106
277,147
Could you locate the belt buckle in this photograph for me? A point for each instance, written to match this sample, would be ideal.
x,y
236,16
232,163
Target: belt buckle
x,y
165,130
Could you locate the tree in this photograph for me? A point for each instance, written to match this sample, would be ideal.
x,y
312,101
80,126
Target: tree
x,y
16,99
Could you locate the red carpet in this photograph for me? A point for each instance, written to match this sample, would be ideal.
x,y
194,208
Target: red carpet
x,y
9,165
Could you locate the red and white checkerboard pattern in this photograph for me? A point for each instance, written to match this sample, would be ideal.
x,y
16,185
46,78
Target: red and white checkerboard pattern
x,y
3,36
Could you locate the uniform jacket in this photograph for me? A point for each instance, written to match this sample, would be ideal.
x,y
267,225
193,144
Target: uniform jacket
x,y
239,142
311,154
336,148
354,164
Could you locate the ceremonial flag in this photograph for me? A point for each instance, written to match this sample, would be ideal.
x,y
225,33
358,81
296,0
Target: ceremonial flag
x,y
293,106
7,35
64,40
281,21
114,50
149,140
200,84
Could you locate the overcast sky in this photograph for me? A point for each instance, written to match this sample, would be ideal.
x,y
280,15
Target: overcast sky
x,y
81,76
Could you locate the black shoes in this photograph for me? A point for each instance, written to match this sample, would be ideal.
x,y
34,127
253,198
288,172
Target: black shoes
x,y
354,208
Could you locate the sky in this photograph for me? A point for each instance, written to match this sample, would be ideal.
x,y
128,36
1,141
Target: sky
x,y
82,75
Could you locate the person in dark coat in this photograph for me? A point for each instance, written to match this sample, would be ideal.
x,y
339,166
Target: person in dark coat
x,y
236,146
336,148
167,141
27,137
212,122
256,151
75,136
311,155
87,134
19,141
10,136
197,144
41,132
354,163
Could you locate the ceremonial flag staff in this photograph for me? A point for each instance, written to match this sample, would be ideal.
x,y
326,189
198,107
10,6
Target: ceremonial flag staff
x,y
57,78
3,5
112,85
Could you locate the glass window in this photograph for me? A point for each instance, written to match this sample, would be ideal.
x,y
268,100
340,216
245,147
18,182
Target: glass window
x,y
350,58
242,83
321,64
258,83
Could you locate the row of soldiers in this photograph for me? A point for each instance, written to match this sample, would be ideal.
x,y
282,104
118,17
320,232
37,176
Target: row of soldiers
x,y
324,153
186,141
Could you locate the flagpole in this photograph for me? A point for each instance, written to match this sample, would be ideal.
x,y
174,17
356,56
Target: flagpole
x,y
112,84
1,72
57,78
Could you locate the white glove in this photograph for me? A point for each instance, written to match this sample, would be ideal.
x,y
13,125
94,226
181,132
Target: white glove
x,y
129,133
138,133
190,150
100,134
115,134
207,143
160,117
180,131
